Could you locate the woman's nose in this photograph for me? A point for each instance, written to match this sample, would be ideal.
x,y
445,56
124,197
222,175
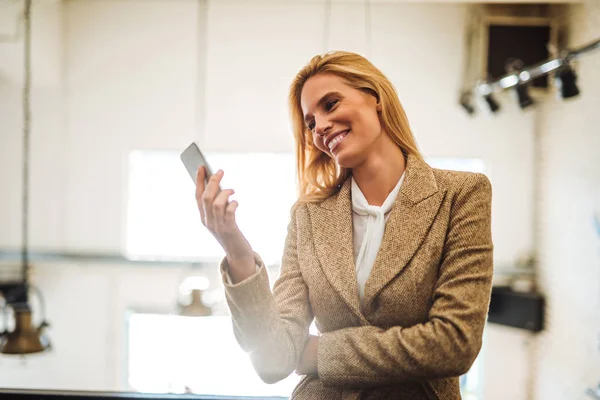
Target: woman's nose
x,y
322,127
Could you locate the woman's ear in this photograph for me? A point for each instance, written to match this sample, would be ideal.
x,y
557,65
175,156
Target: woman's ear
x,y
378,107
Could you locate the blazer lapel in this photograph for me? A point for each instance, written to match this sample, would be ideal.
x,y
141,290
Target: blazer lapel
x,y
411,217
332,233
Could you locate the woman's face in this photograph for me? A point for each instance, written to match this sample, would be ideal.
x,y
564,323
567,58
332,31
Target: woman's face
x,y
344,121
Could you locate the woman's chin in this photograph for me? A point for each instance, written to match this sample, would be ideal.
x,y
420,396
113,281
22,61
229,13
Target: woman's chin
x,y
345,159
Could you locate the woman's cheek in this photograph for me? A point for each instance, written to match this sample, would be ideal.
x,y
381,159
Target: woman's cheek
x,y
316,140
320,143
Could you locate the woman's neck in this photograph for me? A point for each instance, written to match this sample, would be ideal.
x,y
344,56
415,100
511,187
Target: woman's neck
x,y
380,172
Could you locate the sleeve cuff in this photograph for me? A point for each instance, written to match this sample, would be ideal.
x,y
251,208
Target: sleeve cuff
x,y
228,277
250,299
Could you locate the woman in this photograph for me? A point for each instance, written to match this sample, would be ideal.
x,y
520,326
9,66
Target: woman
x,y
392,258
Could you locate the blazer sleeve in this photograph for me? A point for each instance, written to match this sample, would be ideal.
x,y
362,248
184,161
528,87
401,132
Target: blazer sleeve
x,y
271,326
448,343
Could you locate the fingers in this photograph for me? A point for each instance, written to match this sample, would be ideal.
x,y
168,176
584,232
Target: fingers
x,y
230,212
200,185
216,211
219,207
208,197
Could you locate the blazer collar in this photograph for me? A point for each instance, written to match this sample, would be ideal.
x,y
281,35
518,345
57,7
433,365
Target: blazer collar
x,y
413,212
419,183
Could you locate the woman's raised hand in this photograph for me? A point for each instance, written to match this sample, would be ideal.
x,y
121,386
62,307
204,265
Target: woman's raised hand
x,y
218,215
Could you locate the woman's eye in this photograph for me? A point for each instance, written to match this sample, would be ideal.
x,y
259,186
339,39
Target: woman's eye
x,y
330,104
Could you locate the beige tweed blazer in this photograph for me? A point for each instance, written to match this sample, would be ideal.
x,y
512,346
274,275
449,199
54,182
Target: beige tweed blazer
x,y
425,302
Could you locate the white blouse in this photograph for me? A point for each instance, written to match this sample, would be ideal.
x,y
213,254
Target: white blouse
x,y
368,229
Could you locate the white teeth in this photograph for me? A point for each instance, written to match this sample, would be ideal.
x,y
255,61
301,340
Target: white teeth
x,y
336,140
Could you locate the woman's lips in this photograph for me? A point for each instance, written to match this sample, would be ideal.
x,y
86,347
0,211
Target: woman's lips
x,y
339,138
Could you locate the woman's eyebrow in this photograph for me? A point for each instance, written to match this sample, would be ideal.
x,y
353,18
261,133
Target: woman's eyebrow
x,y
322,101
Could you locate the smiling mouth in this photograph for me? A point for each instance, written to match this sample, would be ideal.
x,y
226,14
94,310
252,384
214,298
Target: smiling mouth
x,y
333,143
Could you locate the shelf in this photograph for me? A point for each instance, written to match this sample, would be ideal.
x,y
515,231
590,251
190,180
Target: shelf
x,y
37,257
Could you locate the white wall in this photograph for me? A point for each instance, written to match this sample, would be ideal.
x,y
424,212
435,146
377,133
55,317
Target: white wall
x,y
112,76
48,111
568,359
130,81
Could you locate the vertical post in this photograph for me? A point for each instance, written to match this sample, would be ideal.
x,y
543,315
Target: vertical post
x,y
326,27
201,72
368,43
26,134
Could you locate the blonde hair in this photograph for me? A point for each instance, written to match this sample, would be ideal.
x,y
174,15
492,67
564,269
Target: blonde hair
x,y
318,175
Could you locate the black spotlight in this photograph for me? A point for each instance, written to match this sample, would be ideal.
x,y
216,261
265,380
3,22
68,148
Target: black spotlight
x,y
565,79
523,96
492,103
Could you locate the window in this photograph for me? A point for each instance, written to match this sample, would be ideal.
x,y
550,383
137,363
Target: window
x,y
163,219
174,354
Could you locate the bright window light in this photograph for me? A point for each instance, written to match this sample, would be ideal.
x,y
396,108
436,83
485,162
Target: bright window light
x,y
174,354
163,220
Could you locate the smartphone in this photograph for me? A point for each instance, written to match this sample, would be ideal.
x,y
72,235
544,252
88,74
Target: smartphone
x,y
193,159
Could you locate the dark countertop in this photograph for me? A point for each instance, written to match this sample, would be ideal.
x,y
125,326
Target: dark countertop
x,y
72,395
